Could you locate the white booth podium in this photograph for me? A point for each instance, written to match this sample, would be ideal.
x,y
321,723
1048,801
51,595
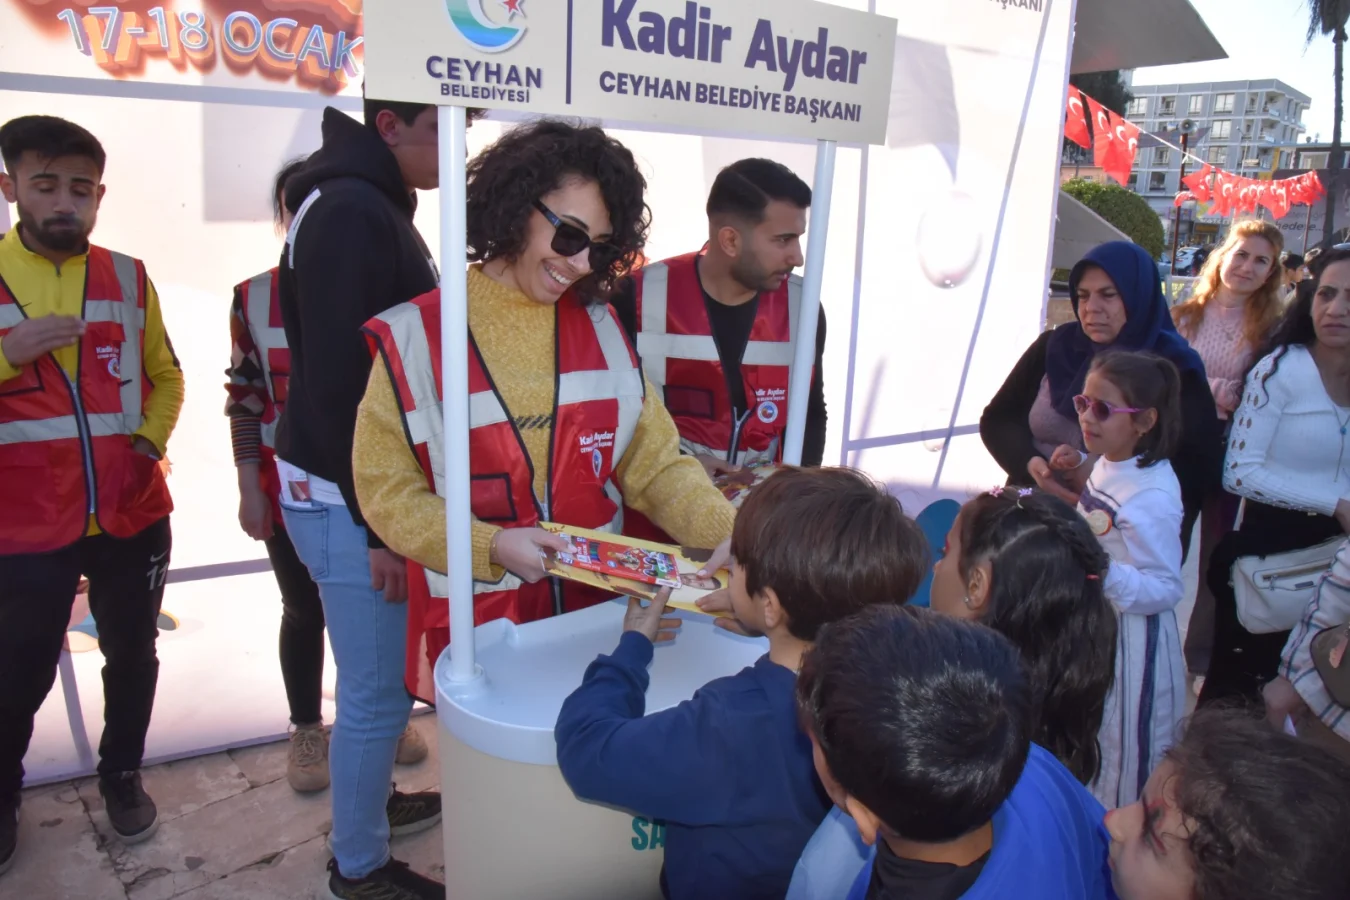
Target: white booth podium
x,y
512,827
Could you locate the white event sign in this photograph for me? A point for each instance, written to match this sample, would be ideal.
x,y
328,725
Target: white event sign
x,y
787,68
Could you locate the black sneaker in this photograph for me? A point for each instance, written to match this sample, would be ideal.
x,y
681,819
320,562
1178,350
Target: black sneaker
x,y
392,881
9,832
130,809
411,813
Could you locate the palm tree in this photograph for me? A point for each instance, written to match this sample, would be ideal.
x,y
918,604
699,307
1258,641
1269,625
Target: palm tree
x,y
1329,17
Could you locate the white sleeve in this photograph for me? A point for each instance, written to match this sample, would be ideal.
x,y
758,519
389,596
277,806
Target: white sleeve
x,y
1149,580
1244,470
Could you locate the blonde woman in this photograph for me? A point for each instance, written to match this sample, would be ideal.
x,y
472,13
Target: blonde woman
x,y
1235,303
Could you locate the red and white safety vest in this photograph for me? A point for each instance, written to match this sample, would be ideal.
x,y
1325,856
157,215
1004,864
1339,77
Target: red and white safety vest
x,y
261,306
596,409
65,445
680,358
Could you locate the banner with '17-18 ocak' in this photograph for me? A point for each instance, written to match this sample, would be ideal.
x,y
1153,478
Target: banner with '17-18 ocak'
x,y
790,68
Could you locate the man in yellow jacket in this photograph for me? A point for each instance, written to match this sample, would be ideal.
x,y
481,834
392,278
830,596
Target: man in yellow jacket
x,y
90,391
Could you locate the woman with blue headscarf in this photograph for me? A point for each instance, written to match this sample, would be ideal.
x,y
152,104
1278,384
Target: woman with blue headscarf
x,y
1118,301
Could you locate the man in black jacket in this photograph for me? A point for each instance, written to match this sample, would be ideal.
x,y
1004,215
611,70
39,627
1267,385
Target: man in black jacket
x,y
352,253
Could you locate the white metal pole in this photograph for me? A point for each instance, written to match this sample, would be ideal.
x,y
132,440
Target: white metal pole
x,y
804,359
455,390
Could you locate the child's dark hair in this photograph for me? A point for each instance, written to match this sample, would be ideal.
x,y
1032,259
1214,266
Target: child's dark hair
x,y
829,542
1266,813
1147,381
284,174
922,718
1045,596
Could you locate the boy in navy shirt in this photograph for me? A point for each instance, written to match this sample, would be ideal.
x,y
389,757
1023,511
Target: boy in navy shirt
x,y
921,731
730,770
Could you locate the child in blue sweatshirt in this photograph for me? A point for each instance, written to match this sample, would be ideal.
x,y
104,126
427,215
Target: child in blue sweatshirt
x,y
921,728
730,770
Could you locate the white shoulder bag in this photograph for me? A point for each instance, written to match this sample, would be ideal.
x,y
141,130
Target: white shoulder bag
x,y
1273,591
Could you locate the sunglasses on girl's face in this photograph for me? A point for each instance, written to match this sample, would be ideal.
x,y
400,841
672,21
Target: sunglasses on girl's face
x,y
1101,410
569,240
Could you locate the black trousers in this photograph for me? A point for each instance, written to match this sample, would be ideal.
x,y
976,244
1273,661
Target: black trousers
x,y
302,651
37,592
1241,662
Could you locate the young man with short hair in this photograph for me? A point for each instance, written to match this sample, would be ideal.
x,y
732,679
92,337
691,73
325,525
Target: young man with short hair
x,y
717,328
90,391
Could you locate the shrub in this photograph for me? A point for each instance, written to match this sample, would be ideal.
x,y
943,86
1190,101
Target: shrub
x,y
1124,209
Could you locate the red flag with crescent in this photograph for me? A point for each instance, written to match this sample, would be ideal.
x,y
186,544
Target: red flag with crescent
x,y
1299,192
1198,183
1075,122
1224,188
1315,184
1123,149
1103,132
1279,197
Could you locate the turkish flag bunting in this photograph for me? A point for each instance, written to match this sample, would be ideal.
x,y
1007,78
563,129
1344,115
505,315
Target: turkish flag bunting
x,y
1223,194
1182,198
1123,149
1103,134
1246,201
1265,194
1297,190
1075,124
1279,193
1198,183
1315,184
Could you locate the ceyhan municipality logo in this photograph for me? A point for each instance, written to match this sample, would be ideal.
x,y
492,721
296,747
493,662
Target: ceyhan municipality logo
x,y
473,22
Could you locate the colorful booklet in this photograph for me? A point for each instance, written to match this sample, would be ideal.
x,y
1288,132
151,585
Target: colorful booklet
x,y
736,486
620,561
658,565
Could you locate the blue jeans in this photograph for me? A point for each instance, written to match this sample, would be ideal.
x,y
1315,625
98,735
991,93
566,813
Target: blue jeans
x,y
368,638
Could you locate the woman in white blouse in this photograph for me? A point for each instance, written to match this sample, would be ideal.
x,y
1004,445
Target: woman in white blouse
x,y
1287,456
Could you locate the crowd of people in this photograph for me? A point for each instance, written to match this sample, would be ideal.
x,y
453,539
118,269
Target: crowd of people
x,y
1028,735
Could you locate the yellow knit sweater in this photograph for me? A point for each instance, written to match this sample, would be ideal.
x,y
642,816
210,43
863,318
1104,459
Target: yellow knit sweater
x,y
515,336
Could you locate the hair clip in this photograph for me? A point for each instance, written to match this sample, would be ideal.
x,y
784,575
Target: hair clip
x,y
1092,577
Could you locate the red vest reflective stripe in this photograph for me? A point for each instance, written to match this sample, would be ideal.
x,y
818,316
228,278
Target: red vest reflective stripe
x,y
262,315
596,410
65,448
680,358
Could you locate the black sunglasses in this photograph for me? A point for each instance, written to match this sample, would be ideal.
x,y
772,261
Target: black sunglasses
x,y
569,240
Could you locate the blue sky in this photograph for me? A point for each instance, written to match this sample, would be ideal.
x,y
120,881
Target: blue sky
x,y
1264,39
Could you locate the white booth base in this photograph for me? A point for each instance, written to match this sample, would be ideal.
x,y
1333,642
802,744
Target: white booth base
x,y
513,829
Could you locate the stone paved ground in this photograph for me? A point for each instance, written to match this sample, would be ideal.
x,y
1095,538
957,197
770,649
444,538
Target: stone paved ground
x,y
230,828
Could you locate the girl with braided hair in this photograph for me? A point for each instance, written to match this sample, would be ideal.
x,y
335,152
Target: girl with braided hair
x,y
1129,413
1025,563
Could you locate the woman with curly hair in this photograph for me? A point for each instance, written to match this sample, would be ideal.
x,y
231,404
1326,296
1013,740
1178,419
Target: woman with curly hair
x,y
563,426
